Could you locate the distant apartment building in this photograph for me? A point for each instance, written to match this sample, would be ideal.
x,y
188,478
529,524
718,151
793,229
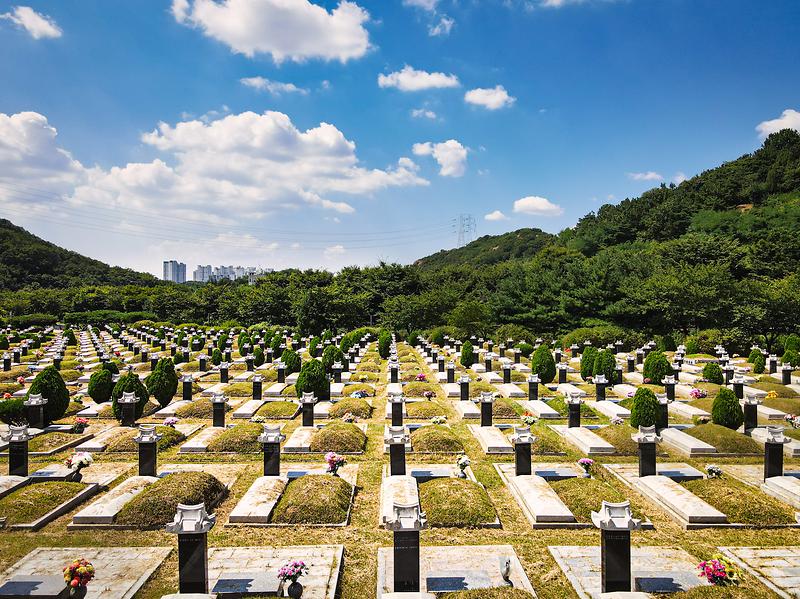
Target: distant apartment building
x,y
207,273
174,271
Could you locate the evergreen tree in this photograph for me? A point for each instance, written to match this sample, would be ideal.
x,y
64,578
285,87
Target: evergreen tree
x,y
726,410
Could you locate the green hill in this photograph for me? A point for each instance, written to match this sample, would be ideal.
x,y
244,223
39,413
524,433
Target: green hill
x,y
490,249
27,260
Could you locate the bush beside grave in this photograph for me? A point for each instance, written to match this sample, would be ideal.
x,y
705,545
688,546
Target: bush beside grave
x,y
162,383
312,379
292,361
51,386
101,385
156,505
455,502
331,355
330,505
726,410
791,356
467,355
759,364
713,373
605,364
645,410
543,364
12,411
587,362
656,367
129,383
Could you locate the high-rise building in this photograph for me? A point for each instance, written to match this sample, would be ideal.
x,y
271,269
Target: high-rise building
x,y
174,271
203,274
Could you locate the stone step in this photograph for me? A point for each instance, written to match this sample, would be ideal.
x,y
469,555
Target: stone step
x,y
785,488
568,389
680,500
401,489
585,440
216,388
540,409
337,389
300,440
105,509
101,441
199,443
684,410
468,410
610,409
322,409
394,389
256,505
275,390
538,499
170,410
623,390
491,439
686,444
451,390
510,390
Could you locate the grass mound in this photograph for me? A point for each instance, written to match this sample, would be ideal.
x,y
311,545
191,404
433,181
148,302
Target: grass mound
x,y
619,435
278,409
73,408
363,377
424,410
505,408
357,407
199,408
418,389
493,593
51,441
242,438
156,505
478,387
435,438
33,501
455,502
781,390
724,439
124,441
341,437
239,390
352,388
740,502
584,495
330,504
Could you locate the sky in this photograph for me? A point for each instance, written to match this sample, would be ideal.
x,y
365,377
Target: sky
x,y
319,134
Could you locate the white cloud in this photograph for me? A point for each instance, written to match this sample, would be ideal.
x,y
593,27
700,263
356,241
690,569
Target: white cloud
x,y
296,30
409,79
495,216
423,113
258,163
789,119
443,27
679,178
332,251
491,98
37,25
274,87
538,206
645,176
450,155
423,4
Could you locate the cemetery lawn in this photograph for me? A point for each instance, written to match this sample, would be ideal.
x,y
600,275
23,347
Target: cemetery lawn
x,y
781,390
496,593
355,406
741,503
455,502
124,441
341,437
50,441
241,438
34,500
724,439
156,505
239,390
423,410
417,389
794,433
619,435
560,406
505,408
278,409
584,495
478,387
199,408
73,408
314,499
352,388
435,438
547,440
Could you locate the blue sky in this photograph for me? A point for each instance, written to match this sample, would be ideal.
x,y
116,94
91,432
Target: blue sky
x,y
318,134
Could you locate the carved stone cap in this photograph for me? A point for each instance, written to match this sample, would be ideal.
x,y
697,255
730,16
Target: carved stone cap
x,y
203,357
787,367
486,397
17,434
646,434
187,378
407,517
271,434
464,379
257,378
308,397
337,366
127,397
280,365
615,516
219,398
775,435
534,378
668,380
224,365
147,434
522,435
574,398
35,399
662,398
562,366
451,365
600,379
752,399
396,398
737,379
396,435
191,519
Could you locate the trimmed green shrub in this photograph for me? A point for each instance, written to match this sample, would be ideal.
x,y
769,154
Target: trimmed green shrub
x,y
101,385
111,366
645,409
292,361
12,411
791,356
543,364
606,364
216,357
587,361
312,345
162,383
384,344
791,342
331,355
526,349
656,367
759,364
467,355
726,410
3,342
754,355
713,373
312,379
258,356
70,336
129,383
51,386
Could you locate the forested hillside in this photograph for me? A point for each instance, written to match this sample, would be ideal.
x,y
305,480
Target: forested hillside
x,y
26,260
719,251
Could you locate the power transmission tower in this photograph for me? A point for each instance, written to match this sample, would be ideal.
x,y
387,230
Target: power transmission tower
x,y
465,227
